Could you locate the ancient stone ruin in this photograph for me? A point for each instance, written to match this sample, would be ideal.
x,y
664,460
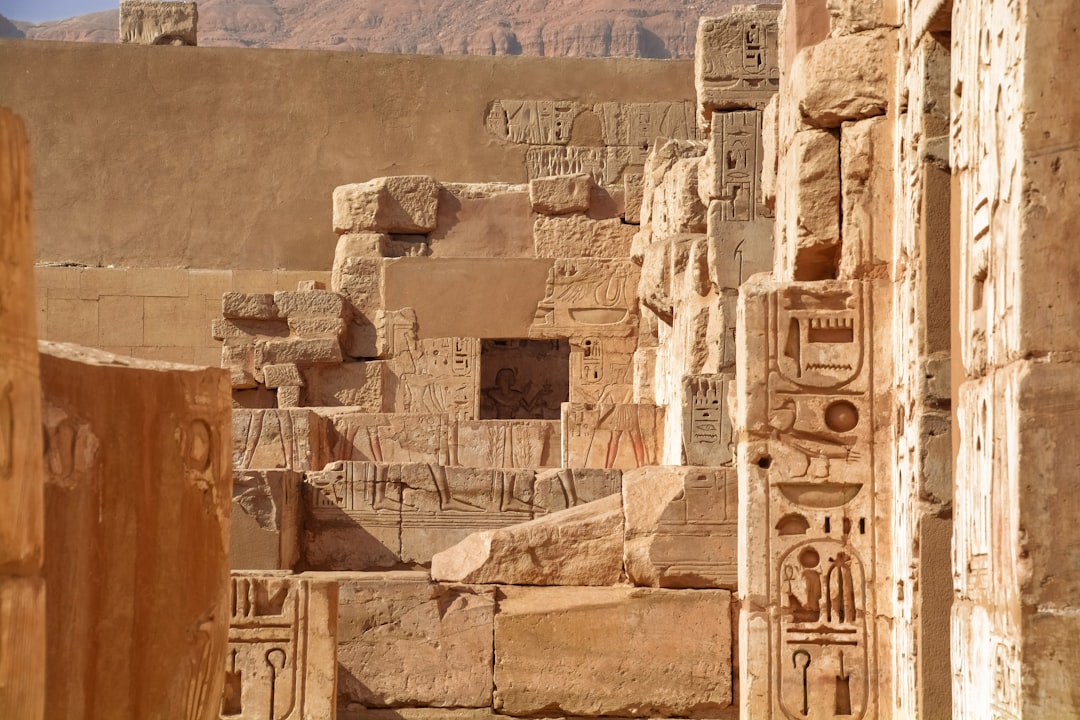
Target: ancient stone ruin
x,y
758,405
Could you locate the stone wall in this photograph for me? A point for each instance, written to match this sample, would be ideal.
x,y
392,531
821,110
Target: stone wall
x,y
225,158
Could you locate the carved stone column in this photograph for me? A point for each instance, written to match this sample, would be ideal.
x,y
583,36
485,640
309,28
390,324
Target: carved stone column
x,y
22,590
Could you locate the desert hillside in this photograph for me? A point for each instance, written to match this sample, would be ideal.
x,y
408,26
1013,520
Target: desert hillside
x,y
555,28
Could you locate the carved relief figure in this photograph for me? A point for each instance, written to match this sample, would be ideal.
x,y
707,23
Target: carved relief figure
x,y
510,402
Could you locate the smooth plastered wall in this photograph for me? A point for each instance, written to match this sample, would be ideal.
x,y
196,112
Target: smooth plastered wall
x,y
225,158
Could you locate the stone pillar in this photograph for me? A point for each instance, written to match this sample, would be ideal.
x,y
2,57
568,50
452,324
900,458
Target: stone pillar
x,y
137,500
22,590
813,387
1016,545
922,447
150,22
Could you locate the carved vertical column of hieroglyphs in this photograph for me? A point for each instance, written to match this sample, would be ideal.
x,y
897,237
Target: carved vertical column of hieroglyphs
x,y
137,499
737,76
1015,154
22,590
921,346
282,656
813,400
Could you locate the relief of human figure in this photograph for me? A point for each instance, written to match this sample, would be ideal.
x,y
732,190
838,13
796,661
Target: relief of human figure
x,y
512,403
619,417
806,609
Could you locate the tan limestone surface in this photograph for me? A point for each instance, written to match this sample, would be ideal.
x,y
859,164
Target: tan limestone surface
x,y
612,651
405,641
581,545
22,600
137,498
302,136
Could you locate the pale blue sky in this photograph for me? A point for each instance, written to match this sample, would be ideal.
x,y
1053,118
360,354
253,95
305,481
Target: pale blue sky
x,y
42,10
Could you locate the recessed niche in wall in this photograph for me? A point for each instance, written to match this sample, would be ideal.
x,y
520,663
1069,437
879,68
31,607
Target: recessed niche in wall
x,y
523,379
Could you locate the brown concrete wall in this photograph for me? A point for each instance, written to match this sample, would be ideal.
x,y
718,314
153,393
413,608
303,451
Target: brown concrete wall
x,y
226,158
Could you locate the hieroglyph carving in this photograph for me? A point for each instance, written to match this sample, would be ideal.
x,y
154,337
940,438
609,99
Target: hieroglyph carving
x,y
587,297
627,131
808,410
280,663
611,434
707,436
439,375
737,60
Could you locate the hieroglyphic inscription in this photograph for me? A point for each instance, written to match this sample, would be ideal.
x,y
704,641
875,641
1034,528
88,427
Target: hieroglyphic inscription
x,y
601,366
587,297
627,130
700,532
707,437
737,60
281,659
808,414
439,375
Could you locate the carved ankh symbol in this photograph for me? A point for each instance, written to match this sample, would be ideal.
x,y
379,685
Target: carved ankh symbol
x,y
805,690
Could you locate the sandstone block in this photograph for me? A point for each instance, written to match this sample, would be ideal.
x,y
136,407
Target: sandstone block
x,y
663,263
866,183
612,651
736,63
811,233
364,244
318,350
578,546
278,439
560,194
633,193
853,16
138,501
282,648
401,204
581,236
611,435
681,527
310,328
286,375
483,220
310,303
159,23
249,306
844,78
405,641
265,520
706,425
737,250
356,384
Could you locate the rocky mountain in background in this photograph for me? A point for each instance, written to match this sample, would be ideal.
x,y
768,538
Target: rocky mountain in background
x,y
9,29
553,28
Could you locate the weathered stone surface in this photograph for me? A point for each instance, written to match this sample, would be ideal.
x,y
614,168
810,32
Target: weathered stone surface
x,y
811,206
278,439
612,651
22,643
560,194
265,522
633,193
844,78
22,507
681,527
354,384
483,220
296,350
852,16
588,297
866,183
737,60
282,647
400,204
287,375
579,546
611,434
159,23
249,306
310,303
581,236
405,641
362,244
136,562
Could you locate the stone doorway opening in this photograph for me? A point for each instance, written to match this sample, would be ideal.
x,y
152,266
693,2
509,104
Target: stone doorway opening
x,y
523,379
